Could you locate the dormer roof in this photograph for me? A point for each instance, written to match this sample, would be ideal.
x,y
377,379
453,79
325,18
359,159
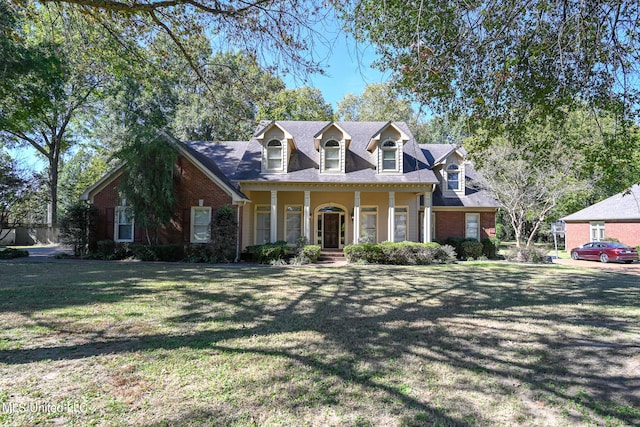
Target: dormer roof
x,y
263,130
375,139
317,138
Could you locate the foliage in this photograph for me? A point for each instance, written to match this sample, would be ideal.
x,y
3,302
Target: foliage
x,y
401,253
11,253
472,249
79,172
498,60
378,102
110,250
310,253
269,253
304,103
77,227
224,233
490,247
14,189
199,252
529,254
149,178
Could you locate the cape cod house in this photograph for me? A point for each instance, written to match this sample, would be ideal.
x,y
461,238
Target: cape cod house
x,y
334,183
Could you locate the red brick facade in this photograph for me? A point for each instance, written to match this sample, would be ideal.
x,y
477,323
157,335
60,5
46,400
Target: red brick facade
x,y
192,186
579,233
452,224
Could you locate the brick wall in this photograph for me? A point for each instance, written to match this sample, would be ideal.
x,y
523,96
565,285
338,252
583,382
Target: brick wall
x,y
453,224
192,186
580,233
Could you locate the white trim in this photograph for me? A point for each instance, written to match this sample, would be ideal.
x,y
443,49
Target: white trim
x,y
600,228
399,211
364,212
192,236
287,212
116,224
260,209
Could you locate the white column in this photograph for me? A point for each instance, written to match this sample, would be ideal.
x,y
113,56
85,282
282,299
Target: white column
x,y
356,217
307,216
274,216
392,217
426,220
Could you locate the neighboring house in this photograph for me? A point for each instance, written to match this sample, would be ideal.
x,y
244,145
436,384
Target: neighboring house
x,y
334,183
617,217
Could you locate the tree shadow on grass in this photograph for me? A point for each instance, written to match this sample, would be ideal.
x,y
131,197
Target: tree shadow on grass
x,y
511,329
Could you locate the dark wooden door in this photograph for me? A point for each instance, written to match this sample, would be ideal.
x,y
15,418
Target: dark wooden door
x,y
331,230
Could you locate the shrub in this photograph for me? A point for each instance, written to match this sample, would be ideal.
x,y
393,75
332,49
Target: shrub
x,y
311,253
401,253
105,249
224,230
528,254
490,247
199,252
269,253
11,253
472,249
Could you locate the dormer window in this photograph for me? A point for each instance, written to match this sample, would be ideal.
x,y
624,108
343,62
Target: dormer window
x,y
453,178
332,156
274,155
389,156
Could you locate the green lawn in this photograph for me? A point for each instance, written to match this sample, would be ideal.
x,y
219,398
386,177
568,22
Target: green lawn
x,y
466,344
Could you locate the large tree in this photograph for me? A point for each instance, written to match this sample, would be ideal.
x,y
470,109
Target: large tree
x,y
14,192
499,60
304,103
378,102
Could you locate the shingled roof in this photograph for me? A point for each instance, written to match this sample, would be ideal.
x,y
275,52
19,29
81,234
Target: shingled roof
x,y
623,206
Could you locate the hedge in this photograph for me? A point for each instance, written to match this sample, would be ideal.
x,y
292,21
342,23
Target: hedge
x,y
401,253
11,253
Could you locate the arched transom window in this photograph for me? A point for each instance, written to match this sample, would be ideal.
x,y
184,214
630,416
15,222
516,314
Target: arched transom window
x,y
389,156
274,155
332,155
453,177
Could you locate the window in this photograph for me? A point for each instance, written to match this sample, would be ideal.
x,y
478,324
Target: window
x,y
293,224
200,224
332,156
597,231
368,224
400,232
453,178
389,151
473,226
263,224
123,224
274,155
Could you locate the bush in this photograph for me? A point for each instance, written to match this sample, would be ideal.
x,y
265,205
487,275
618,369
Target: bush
x,y
401,253
105,249
269,253
311,253
472,249
528,254
224,231
110,250
490,247
10,253
199,252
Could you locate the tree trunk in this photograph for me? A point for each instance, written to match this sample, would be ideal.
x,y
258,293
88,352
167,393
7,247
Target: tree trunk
x,y
54,162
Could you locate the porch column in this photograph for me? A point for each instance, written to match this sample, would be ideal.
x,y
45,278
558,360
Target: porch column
x,y
426,220
274,216
356,217
307,216
392,217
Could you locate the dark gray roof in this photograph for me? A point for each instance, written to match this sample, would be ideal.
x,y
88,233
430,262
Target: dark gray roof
x,y
304,162
623,206
436,153
474,195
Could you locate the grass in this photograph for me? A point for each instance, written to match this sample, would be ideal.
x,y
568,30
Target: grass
x,y
468,344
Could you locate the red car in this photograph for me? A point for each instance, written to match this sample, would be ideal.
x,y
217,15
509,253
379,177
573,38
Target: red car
x,y
605,252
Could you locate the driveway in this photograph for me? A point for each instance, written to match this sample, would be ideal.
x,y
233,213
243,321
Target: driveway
x,y
617,267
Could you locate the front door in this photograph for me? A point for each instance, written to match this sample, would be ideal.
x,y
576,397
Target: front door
x,y
331,232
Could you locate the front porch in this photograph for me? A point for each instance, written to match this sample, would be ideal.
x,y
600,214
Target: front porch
x,y
333,216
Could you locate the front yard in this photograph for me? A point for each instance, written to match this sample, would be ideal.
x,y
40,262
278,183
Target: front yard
x,y
469,344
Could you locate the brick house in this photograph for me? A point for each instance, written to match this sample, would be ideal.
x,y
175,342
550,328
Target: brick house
x,y
334,183
617,217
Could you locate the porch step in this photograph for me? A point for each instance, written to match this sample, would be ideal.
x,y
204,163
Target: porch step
x,y
331,255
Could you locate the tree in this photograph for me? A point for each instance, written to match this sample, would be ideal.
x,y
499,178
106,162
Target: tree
x,y
378,102
529,182
303,103
79,171
14,190
498,60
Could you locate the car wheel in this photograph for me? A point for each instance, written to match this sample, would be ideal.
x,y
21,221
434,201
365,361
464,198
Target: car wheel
x,y
604,258
575,256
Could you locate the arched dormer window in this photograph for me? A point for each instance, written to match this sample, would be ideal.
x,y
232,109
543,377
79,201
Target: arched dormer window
x,y
332,156
274,155
453,177
389,156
